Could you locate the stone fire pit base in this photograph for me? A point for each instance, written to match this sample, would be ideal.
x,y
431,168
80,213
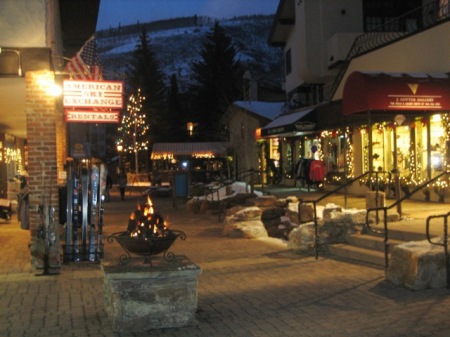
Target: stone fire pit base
x,y
139,297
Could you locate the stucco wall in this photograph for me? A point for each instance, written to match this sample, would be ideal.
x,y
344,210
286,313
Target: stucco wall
x,y
426,52
22,23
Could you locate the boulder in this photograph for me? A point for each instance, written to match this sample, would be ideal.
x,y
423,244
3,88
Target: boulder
x,y
247,213
330,211
306,213
249,229
417,265
272,213
301,239
265,201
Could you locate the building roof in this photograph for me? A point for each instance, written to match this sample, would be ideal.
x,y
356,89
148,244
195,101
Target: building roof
x,y
269,110
299,122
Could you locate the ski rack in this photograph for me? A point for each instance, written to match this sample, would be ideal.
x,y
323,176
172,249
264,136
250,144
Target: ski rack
x,y
86,185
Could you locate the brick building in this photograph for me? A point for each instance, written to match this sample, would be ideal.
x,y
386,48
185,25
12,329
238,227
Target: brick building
x,y
38,37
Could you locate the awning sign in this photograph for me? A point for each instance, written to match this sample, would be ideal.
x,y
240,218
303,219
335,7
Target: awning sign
x,y
92,116
93,94
410,102
395,91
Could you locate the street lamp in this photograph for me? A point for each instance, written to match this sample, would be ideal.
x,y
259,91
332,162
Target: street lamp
x,y
120,149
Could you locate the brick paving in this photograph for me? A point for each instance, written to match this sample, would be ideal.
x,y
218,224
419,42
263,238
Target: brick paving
x,y
247,288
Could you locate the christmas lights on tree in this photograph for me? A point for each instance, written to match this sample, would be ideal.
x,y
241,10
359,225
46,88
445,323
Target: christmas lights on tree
x,y
134,129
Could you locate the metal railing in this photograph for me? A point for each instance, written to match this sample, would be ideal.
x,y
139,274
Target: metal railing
x,y
443,242
410,23
317,243
383,209
385,231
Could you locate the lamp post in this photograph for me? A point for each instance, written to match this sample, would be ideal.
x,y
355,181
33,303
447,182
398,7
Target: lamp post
x,y
119,150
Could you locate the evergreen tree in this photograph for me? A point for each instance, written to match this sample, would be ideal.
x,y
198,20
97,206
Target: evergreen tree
x,y
175,120
218,81
144,74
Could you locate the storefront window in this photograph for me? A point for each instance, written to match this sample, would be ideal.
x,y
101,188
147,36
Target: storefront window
x,y
290,162
403,148
313,148
334,154
419,156
437,145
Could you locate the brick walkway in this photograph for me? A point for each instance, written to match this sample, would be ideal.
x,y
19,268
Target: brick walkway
x,y
247,288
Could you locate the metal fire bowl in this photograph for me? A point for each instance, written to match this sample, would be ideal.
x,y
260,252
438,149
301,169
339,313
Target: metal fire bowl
x,y
146,247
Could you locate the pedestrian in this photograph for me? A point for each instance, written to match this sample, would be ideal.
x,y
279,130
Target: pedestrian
x,y
23,206
109,184
123,181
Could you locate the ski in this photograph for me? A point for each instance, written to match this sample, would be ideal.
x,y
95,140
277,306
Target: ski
x,y
84,210
69,230
103,174
75,215
94,202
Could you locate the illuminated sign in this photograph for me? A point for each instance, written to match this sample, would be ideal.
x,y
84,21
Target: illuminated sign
x,y
92,116
93,94
305,126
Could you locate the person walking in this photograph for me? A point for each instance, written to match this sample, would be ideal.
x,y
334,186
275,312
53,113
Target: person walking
x,y
23,209
109,184
122,181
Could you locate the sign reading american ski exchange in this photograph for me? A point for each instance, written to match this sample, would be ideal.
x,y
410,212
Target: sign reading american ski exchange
x,y
91,94
92,116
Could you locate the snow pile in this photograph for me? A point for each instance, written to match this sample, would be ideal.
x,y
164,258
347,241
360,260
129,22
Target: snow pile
x,y
219,192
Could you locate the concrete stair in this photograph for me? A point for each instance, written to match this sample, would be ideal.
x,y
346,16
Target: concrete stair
x,y
369,247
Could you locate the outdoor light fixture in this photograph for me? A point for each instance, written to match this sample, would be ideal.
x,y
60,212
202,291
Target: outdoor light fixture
x,y
19,70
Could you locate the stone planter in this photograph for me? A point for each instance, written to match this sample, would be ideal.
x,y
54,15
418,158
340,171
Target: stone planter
x,y
139,297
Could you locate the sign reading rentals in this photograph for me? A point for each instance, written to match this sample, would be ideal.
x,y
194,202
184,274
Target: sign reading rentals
x,y
93,101
92,116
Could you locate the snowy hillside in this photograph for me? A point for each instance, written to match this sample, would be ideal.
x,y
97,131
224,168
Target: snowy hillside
x,y
177,43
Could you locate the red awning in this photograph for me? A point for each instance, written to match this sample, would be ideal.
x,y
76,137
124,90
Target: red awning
x,y
395,91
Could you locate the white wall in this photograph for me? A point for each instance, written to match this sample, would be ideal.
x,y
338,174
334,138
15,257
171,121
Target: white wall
x,y
426,52
23,23
316,23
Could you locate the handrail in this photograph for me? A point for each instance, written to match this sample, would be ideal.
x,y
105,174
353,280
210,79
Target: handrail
x,y
396,203
424,17
317,243
444,242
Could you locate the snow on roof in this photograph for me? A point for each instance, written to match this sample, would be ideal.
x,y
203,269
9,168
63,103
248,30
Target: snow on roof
x,y
288,119
269,110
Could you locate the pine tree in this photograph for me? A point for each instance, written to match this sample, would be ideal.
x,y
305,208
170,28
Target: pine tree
x,y
175,118
144,74
218,81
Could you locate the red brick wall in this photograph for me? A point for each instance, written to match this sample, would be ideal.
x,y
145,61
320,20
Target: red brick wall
x,y
42,117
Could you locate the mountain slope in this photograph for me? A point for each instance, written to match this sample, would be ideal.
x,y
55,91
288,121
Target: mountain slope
x,y
177,44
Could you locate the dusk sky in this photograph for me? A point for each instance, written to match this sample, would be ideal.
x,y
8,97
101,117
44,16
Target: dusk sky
x,y
125,12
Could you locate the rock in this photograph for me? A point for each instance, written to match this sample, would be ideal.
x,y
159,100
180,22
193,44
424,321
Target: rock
x,y
301,239
233,210
248,213
417,265
331,212
250,229
306,213
265,201
272,213
358,217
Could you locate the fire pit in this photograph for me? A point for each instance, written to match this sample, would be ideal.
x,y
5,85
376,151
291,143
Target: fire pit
x,y
147,234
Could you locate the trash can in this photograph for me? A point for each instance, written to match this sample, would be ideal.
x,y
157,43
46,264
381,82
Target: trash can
x,y
181,184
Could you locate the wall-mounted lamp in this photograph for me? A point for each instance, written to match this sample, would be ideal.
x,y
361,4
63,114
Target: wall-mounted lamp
x,y
19,70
